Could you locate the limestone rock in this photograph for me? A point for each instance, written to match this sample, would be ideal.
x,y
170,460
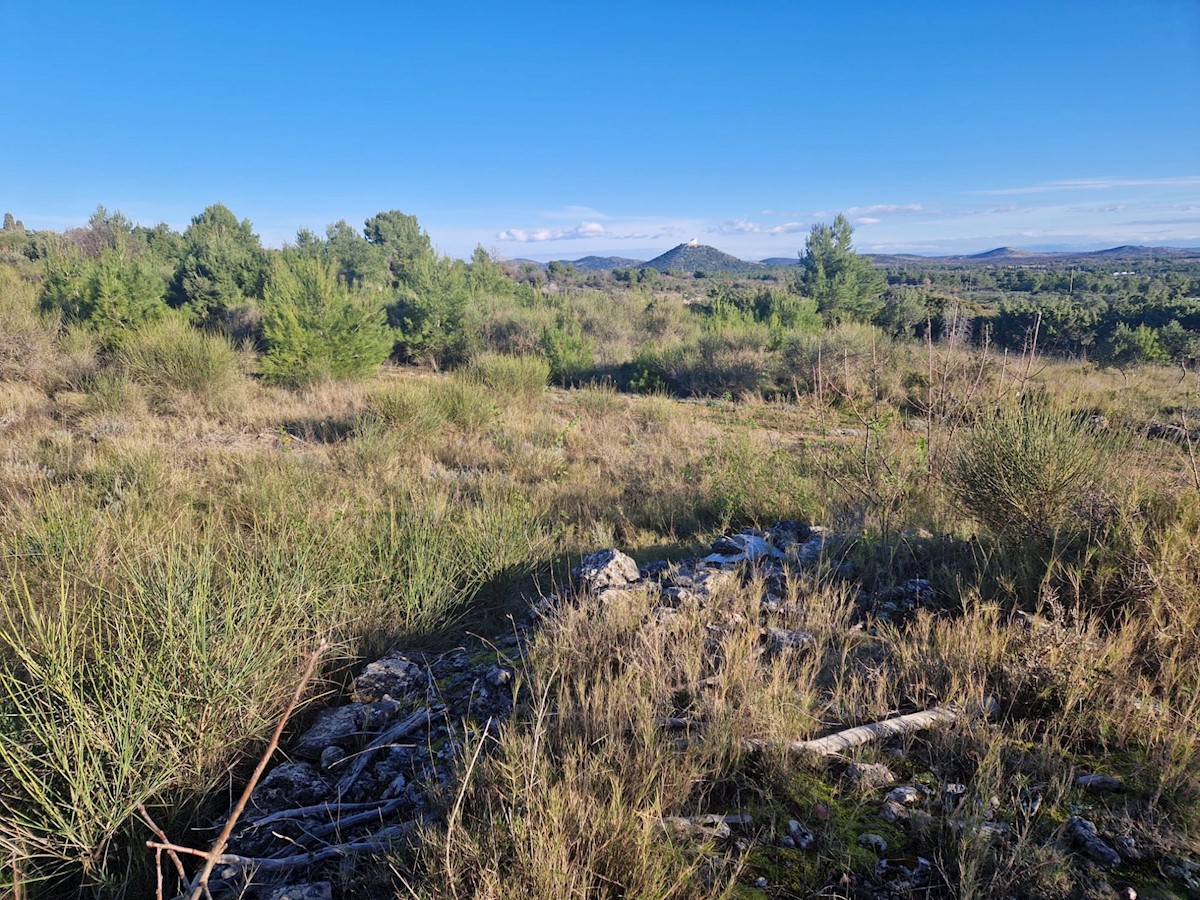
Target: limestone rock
x,y
605,569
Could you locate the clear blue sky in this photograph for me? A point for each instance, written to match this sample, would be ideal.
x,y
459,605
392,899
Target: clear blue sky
x,y
554,130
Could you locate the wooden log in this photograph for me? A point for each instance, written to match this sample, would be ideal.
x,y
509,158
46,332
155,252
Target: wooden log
x,y
841,741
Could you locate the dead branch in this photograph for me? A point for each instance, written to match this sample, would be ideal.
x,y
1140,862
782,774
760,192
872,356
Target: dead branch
x,y
886,728
199,885
374,843
417,720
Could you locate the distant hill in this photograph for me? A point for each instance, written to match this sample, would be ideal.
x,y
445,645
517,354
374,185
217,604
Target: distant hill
x,y
693,257
606,263
1004,253
781,261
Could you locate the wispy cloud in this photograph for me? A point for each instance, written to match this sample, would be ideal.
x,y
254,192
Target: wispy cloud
x,y
582,231
745,226
867,220
1096,184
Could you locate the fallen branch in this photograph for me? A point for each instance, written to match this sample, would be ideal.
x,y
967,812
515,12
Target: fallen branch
x,y
374,843
418,719
199,884
321,831
887,728
331,810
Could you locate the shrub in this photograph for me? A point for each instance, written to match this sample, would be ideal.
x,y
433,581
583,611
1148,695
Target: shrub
x,y
1025,470
513,376
171,357
316,327
27,349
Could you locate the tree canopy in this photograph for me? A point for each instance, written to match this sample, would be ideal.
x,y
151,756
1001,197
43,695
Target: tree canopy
x,y
846,286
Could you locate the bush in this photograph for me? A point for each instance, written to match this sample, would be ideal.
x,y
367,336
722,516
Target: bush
x,y
316,327
512,376
171,357
27,351
1025,471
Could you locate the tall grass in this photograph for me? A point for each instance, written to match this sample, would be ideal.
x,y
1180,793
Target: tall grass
x,y
172,358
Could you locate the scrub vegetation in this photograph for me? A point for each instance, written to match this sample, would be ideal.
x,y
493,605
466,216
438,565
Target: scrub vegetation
x,y
215,455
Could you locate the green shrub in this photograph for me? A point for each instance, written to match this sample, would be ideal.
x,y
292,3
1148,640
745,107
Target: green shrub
x,y
572,355
316,327
1025,471
512,376
171,357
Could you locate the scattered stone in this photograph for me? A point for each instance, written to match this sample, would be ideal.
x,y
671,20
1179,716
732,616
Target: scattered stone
x,y
809,553
868,776
289,784
801,837
391,678
497,676
1098,784
606,569
761,883
952,794
315,890
893,812
873,842
787,842
1086,835
337,727
905,795
331,756
781,639
1126,893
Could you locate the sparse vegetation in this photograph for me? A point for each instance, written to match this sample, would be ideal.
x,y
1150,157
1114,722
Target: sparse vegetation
x,y
193,497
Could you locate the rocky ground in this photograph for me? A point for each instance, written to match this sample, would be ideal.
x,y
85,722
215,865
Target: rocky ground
x,y
369,772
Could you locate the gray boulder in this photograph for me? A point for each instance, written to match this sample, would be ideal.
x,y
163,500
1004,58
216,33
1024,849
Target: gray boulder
x,y
605,569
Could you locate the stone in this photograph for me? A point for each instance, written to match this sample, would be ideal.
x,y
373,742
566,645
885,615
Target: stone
x,y
809,552
906,795
952,794
801,837
331,756
781,639
761,883
914,869
873,842
1098,784
605,569
893,812
397,788
1087,836
289,785
868,776
313,890
497,676
334,727
391,678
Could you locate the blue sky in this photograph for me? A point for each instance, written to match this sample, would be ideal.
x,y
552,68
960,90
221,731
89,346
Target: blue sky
x,y
555,130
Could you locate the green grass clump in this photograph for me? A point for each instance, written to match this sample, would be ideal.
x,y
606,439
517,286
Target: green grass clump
x,y
512,376
1025,470
172,358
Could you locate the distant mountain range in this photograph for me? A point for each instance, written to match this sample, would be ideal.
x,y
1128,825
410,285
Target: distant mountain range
x,y
694,257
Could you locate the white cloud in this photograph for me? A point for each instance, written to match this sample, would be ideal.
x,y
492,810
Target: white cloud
x,y
867,220
583,231
745,226
1097,184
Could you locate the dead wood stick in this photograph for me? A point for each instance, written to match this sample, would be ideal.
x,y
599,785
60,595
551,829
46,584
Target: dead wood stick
x,y
418,719
330,809
199,885
380,840
853,737
320,832
162,836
